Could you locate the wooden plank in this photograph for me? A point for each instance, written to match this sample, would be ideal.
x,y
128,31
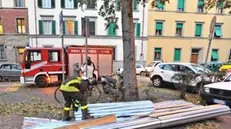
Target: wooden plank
x,y
91,122
183,110
172,106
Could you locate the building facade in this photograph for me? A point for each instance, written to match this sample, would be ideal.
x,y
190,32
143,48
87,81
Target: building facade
x,y
178,32
45,31
13,30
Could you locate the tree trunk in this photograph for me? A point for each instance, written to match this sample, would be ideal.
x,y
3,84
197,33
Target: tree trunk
x,y
129,75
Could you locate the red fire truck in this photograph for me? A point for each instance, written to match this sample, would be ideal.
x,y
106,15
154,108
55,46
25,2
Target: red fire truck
x,y
42,66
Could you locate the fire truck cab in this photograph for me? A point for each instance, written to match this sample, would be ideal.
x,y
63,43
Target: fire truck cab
x,y
42,66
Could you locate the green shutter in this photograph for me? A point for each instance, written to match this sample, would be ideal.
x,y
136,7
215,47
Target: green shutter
x,y
40,3
200,3
76,27
218,30
220,5
179,25
64,27
75,4
134,5
160,5
111,30
177,54
157,49
62,3
198,29
159,26
180,4
40,27
53,27
52,3
118,5
214,54
138,29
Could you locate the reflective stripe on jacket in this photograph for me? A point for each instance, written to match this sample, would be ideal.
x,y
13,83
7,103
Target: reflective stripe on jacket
x,y
71,84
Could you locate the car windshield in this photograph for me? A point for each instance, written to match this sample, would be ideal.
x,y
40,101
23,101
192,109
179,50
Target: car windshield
x,y
199,68
228,79
151,64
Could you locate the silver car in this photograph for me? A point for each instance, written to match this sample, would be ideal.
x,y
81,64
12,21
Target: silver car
x,y
10,71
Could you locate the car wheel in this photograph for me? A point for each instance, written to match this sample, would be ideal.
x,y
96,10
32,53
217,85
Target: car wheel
x,y
41,82
157,81
1,79
142,73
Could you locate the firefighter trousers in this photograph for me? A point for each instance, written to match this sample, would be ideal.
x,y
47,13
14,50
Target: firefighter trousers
x,y
74,98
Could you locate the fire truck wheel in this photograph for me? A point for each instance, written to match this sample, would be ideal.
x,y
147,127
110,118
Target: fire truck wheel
x,y
41,82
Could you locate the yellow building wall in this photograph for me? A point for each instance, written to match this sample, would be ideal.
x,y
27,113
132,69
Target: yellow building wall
x,y
168,42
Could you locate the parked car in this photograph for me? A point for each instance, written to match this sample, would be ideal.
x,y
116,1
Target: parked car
x,y
213,66
219,92
139,70
149,68
10,71
164,72
225,66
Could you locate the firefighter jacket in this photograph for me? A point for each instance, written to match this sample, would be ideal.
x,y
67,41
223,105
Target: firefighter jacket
x,y
72,84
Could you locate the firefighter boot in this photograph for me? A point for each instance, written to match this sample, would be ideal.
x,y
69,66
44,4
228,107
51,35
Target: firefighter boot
x,y
85,114
66,116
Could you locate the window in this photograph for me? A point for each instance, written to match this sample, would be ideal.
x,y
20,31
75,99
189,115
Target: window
x,y
159,28
2,52
134,5
21,25
136,29
15,67
69,3
214,56
217,31
46,3
112,29
69,27
157,54
179,29
19,3
138,66
181,5
91,26
1,27
177,54
47,27
6,66
91,4
35,56
167,67
118,5
54,56
220,8
200,6
198,29
160,6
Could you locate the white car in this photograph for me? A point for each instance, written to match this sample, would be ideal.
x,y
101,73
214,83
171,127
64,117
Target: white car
x,y
150,67
219,92
164,72
139,70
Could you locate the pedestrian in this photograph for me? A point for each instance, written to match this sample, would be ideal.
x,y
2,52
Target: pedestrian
x,y
73,90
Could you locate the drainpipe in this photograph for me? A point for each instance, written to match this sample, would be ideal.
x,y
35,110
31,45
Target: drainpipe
x,y
35,17
142,38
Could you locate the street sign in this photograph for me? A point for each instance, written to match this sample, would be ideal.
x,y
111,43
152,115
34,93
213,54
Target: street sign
x,y
212,24
61,23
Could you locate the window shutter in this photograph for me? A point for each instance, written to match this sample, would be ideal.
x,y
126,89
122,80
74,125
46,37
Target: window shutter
x,y
220,5
214,54
53,3
76,27
118,5
177,54
40,27
179,25
76,4
180,4
134,4
138,29
110,30
159,26
200,3
198,29
218,30
157,49
64,27
53,27
40,3
160,5
62,3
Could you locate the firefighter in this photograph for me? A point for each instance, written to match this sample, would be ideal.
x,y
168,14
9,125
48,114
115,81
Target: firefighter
x,y
73,90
